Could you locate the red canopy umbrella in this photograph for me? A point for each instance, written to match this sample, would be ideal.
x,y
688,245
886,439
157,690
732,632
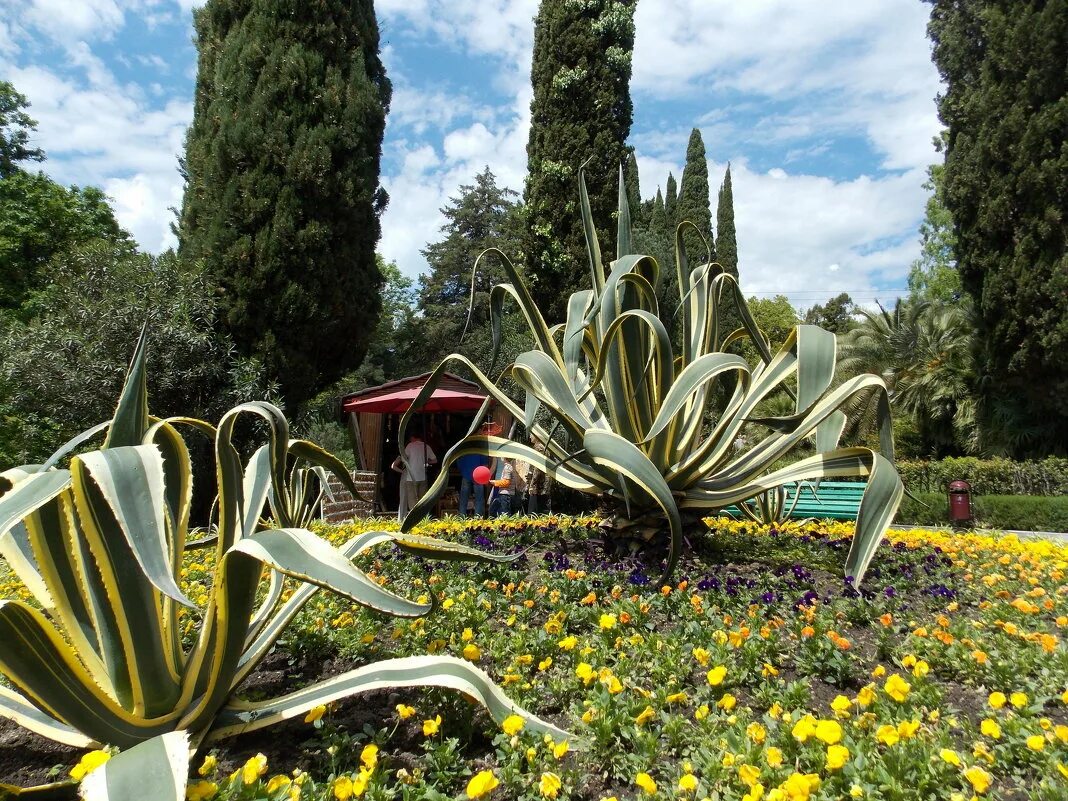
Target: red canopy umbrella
x,y
443,400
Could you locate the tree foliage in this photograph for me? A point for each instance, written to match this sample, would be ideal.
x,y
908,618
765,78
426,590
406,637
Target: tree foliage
x,y
39,217
15,128
1005,106
71,357
924,353
836,315
581,111
934,276
483,215
694,204
282,164
726,235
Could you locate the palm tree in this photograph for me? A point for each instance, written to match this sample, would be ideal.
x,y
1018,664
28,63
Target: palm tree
x,y
924,352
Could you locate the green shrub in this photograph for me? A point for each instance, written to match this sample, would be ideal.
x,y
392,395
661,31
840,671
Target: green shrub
x,y
1047,477
1022,512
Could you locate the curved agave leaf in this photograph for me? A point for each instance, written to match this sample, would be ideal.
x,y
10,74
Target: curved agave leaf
x,y
45,670
15,548
155,769
416,671
29,494
615,453
73,444
14,707
593,247
131,419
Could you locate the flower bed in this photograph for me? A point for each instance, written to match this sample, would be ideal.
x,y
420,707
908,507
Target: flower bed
x,y
760,674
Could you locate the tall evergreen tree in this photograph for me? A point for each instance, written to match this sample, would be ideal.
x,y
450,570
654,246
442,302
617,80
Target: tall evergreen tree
x,y
1005,105
671,201
726,236
581,111
693,204
634,196
282,199
481,216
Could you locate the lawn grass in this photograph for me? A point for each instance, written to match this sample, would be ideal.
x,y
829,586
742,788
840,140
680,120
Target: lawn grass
x,y
760,673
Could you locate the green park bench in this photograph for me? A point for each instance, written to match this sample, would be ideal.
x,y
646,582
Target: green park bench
x,y
836,500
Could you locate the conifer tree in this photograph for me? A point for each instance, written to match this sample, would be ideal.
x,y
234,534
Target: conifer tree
x,y
671,201
1005,105
726,237
693,204
282,198
634,197
581,111
481,216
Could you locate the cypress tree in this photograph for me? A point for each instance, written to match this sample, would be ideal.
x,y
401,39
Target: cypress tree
x,y
634,197
282,199
1005,105
693,204
671,201
581,110
726,238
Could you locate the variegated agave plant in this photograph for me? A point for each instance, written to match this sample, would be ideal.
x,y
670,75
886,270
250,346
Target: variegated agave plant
x,y
100,658
632,419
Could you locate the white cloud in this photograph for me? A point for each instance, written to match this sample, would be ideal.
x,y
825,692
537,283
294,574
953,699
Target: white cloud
x,y
799,77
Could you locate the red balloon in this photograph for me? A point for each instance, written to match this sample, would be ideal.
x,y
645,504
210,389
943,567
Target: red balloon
x,y
481,474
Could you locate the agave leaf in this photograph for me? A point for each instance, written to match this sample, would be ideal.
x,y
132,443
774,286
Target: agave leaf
x,y
14,707
614,452
623,246
130,480
593,247
43,668
15,548
30,494
73,444
131,419
302,555
882,497
155,769
433,548
416,671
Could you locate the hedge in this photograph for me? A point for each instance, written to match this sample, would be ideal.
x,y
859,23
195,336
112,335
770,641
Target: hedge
x,y
1046,477
1021,512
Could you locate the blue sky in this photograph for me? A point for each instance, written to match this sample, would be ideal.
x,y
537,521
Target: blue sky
x,y
824,110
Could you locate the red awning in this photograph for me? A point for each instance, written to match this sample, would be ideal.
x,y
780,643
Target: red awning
x,y
443,400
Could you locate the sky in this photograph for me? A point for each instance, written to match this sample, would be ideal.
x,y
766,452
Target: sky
x,y
825,112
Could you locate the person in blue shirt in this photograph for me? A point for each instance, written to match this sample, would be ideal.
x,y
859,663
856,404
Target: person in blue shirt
x,y
467,465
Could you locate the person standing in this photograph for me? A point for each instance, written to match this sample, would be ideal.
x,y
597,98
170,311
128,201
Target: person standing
x,y
538,484
467,465
412,466
504,481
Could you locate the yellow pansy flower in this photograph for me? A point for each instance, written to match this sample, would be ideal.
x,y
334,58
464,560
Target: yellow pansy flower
x,y
646,783
837,756
254,768
430,727
549,785
716,675
405,711
897,688
201,791
481,784
978,778
996,700
88,763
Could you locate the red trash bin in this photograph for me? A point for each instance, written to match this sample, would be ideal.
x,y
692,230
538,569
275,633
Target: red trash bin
x,y
960,502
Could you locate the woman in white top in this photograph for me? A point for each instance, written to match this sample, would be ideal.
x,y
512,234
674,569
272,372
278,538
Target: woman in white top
x,y
412,466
